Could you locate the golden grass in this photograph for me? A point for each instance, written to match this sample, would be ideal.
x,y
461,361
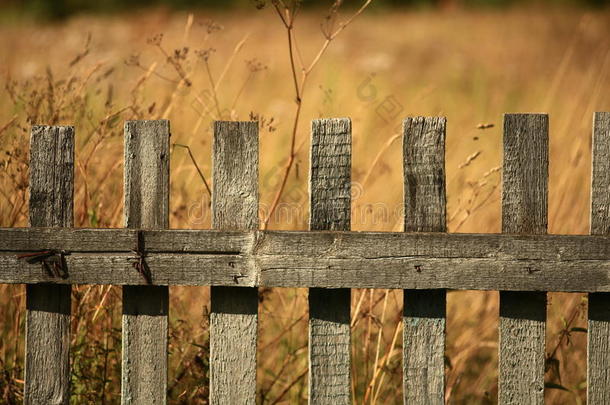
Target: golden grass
x,y
469,66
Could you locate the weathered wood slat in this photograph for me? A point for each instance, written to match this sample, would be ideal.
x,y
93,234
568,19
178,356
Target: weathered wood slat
x,y
317,259
324,271
123,240
524,210
424,174
329,310
312,244
47,336
424,310
145,308
234,311
598,337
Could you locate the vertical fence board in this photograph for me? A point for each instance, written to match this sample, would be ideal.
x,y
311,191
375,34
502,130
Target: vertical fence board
x,y
47,341
598,338
234,312
524,210
145,308
329,310
424,313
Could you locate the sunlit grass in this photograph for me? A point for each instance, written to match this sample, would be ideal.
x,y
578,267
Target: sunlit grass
x,y
469,66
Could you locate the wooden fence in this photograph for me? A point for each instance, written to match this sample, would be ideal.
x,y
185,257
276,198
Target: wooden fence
x,y
522,263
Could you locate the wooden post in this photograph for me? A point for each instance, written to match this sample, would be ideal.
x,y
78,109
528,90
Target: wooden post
x,y
329,309
145,308
234,312
424,313
47,340
524,210
598,337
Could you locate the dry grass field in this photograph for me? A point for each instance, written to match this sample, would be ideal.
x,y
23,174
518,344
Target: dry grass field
x,y
94,72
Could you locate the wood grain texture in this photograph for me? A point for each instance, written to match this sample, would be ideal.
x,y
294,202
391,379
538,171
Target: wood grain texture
x,y
123,240
47,336
147,174
424,313
571,263
350,246
329,310
598,337
524,210
424,174
145,308
234,311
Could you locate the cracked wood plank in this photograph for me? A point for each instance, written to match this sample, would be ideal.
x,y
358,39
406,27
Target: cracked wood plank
x,y
524,210
47,333
234,312
317,259
329,309
424,313
598,336
145,307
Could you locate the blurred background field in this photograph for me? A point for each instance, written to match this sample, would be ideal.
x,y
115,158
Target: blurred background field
x,y
95,68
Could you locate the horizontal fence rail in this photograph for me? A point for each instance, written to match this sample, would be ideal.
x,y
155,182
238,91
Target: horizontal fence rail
x,y
523,263
314,259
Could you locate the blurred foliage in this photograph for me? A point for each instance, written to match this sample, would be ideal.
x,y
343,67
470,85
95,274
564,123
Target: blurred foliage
x,y
58,9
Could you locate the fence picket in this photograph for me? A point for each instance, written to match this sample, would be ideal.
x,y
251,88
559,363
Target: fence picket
x,y
145,308
598,337
424,313
521,263
47,341
234,310
524,210
329,309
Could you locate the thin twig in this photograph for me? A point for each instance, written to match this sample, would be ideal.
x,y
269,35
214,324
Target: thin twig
x,y
205,183
371,386
292,384
236,50
329,38
287,18
8,124
214,94
377,158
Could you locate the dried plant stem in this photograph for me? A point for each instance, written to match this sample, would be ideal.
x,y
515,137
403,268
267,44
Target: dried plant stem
x,y
177,66
357,310
241,90
287,15
213,86
565,331
287,361
8,124
289,386
371,386
367,340
386,360
332,36
377,158
282,333
236,50
205,183
154,72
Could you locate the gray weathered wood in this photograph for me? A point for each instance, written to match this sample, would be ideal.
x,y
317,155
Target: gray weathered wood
x,y
598,337
94,240
329,310
424,310
571,263
524,210
145,308
309,245
234,311
47,337
424,174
